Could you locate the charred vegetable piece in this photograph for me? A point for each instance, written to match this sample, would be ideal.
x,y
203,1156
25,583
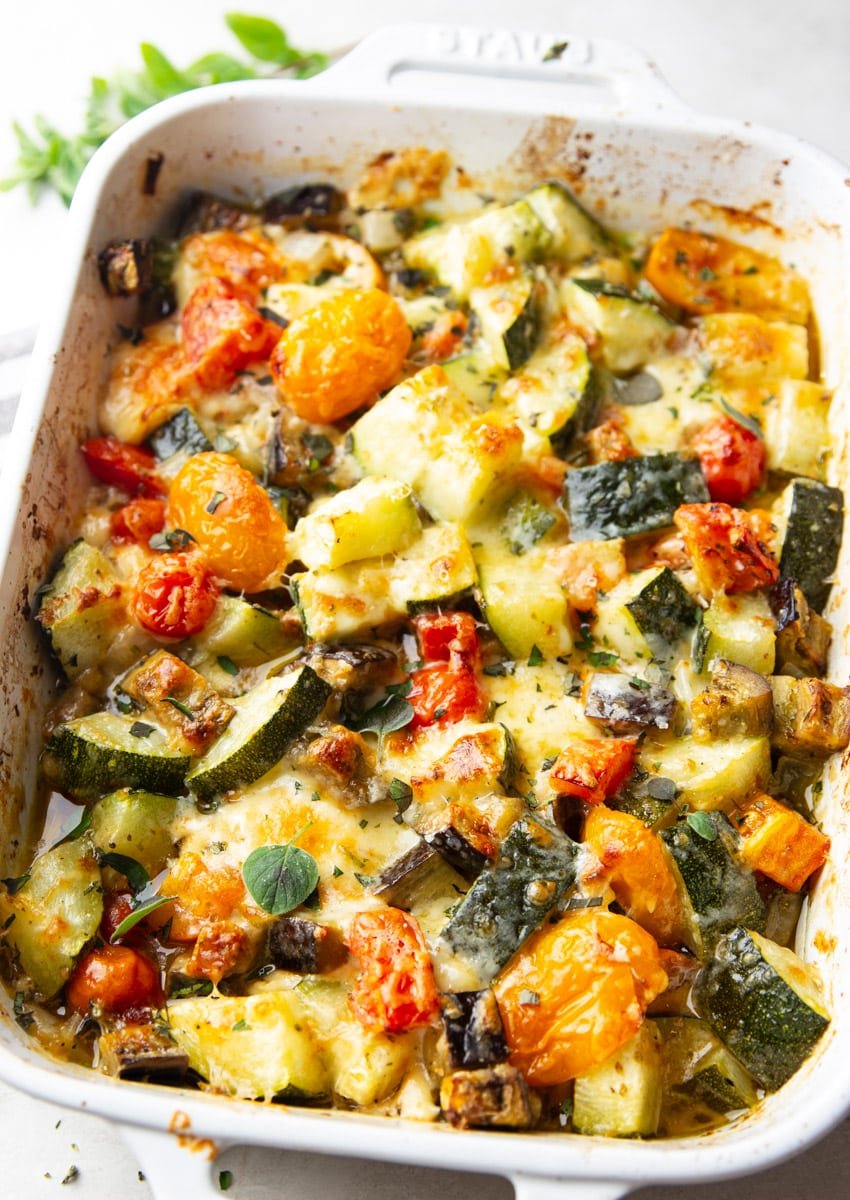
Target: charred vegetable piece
x,y
718,891
296,944
626,704
814,521
778,842
764,1003
142,1052
620,499
416,879
179,699
811,717
473,1028
510,899
181,434
125,267
204,212
802,636
304,200
737,701
622,1096
492,1098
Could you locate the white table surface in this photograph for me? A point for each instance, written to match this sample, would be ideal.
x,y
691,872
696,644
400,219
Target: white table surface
x,y
784,64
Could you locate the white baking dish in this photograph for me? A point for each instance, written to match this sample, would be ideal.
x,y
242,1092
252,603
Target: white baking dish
x,y
599,116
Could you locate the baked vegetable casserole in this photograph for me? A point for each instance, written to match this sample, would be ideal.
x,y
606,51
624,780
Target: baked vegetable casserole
x,y
443,707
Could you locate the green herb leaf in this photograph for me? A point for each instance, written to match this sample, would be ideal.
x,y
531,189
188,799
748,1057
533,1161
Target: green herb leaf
x,y
240,1026
14,883
227,664
280,878
601,287
401,794
535,658
141,729
182,986
364,880
133,871
387,716
139,913
555,51
217,498
749,423
173,539
81,827
225,1180
262,38
702,825
601,658
163,75
180,706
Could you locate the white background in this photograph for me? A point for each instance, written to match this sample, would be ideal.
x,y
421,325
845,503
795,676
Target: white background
x,y
783,63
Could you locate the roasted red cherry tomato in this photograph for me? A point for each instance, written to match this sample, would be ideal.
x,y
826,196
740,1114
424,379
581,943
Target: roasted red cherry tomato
x,y
726,548
138,521
444,693
593,769
448,637
113,979
223,333
395,989
121,465
732,459
175,596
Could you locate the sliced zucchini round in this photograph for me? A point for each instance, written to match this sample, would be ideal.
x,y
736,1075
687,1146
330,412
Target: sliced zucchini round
x,y
267,720
102,752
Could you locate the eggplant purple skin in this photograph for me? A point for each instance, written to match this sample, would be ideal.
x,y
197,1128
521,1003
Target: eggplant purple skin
x,y
623,705
474,1032
305,200
204,212
783,603
305,947
457,851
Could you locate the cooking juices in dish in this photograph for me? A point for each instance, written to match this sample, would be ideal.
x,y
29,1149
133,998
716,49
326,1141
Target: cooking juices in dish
x,y
442,661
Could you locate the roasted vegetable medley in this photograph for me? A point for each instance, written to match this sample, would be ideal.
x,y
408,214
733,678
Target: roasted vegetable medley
x,y
443,699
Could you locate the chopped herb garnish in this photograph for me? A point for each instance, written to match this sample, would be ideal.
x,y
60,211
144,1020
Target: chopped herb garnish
x,y
500,668
319,446
180,706
535,658
141,729
217,498
549,762
641,684
315,797
555,51
269,314
123,702
174,539
337,872
225,1180
240,1026
140,911
363,822
181,987
364,880
14,883
602,658
227,664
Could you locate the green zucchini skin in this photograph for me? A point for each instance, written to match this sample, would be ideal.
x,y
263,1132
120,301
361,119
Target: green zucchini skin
x,y
812,538
637,495
663,611
96,754
718,889
760,1017
180,434
502,908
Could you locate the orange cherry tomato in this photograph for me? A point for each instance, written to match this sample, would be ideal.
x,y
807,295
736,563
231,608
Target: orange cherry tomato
x,y
138,521
448,637
222,333
175,596
633,863
732,459
726,548
341,354
593,769
122,465
443,694
247,260
240,532
592,976
395,989
113,979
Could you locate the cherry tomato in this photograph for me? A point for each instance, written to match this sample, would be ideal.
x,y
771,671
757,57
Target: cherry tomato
x,y
448,637
593,769
341,354
222,333
593,975
122,465
175,596
395,989
444,337
138,521
247,260
240,532
726,548
732,459
113,979
442,693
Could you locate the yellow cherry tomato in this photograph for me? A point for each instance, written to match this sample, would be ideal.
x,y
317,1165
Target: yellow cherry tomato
x,y
240,533
341,354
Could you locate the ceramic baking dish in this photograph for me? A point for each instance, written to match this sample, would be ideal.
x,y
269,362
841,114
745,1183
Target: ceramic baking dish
x,y
596,115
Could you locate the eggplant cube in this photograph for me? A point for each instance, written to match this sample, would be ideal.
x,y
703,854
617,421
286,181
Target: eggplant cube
x,y
811,718
737,701
303,946
626,704
474,1030
493,1098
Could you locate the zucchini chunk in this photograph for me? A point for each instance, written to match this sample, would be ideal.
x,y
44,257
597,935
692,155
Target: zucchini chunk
x,y
83,609
811,717
629,329
737,702
698,1067
138,824
555,395
711,776
245,633
178,699
524,608
814,522
267,721
627,705
50,919
509,900
509,317
764,1002
743,349
739,629
180,434
474,1032
636,495
524,522
622,1096
797,429
803,637
574,233
305,947
717,890
645,615
492,1098
779,842
102,752
476,375
375,517
428,434
142,1052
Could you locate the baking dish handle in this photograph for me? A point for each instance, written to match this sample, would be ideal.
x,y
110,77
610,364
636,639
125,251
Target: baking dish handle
x,y
174,1167
540,1187
608,74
